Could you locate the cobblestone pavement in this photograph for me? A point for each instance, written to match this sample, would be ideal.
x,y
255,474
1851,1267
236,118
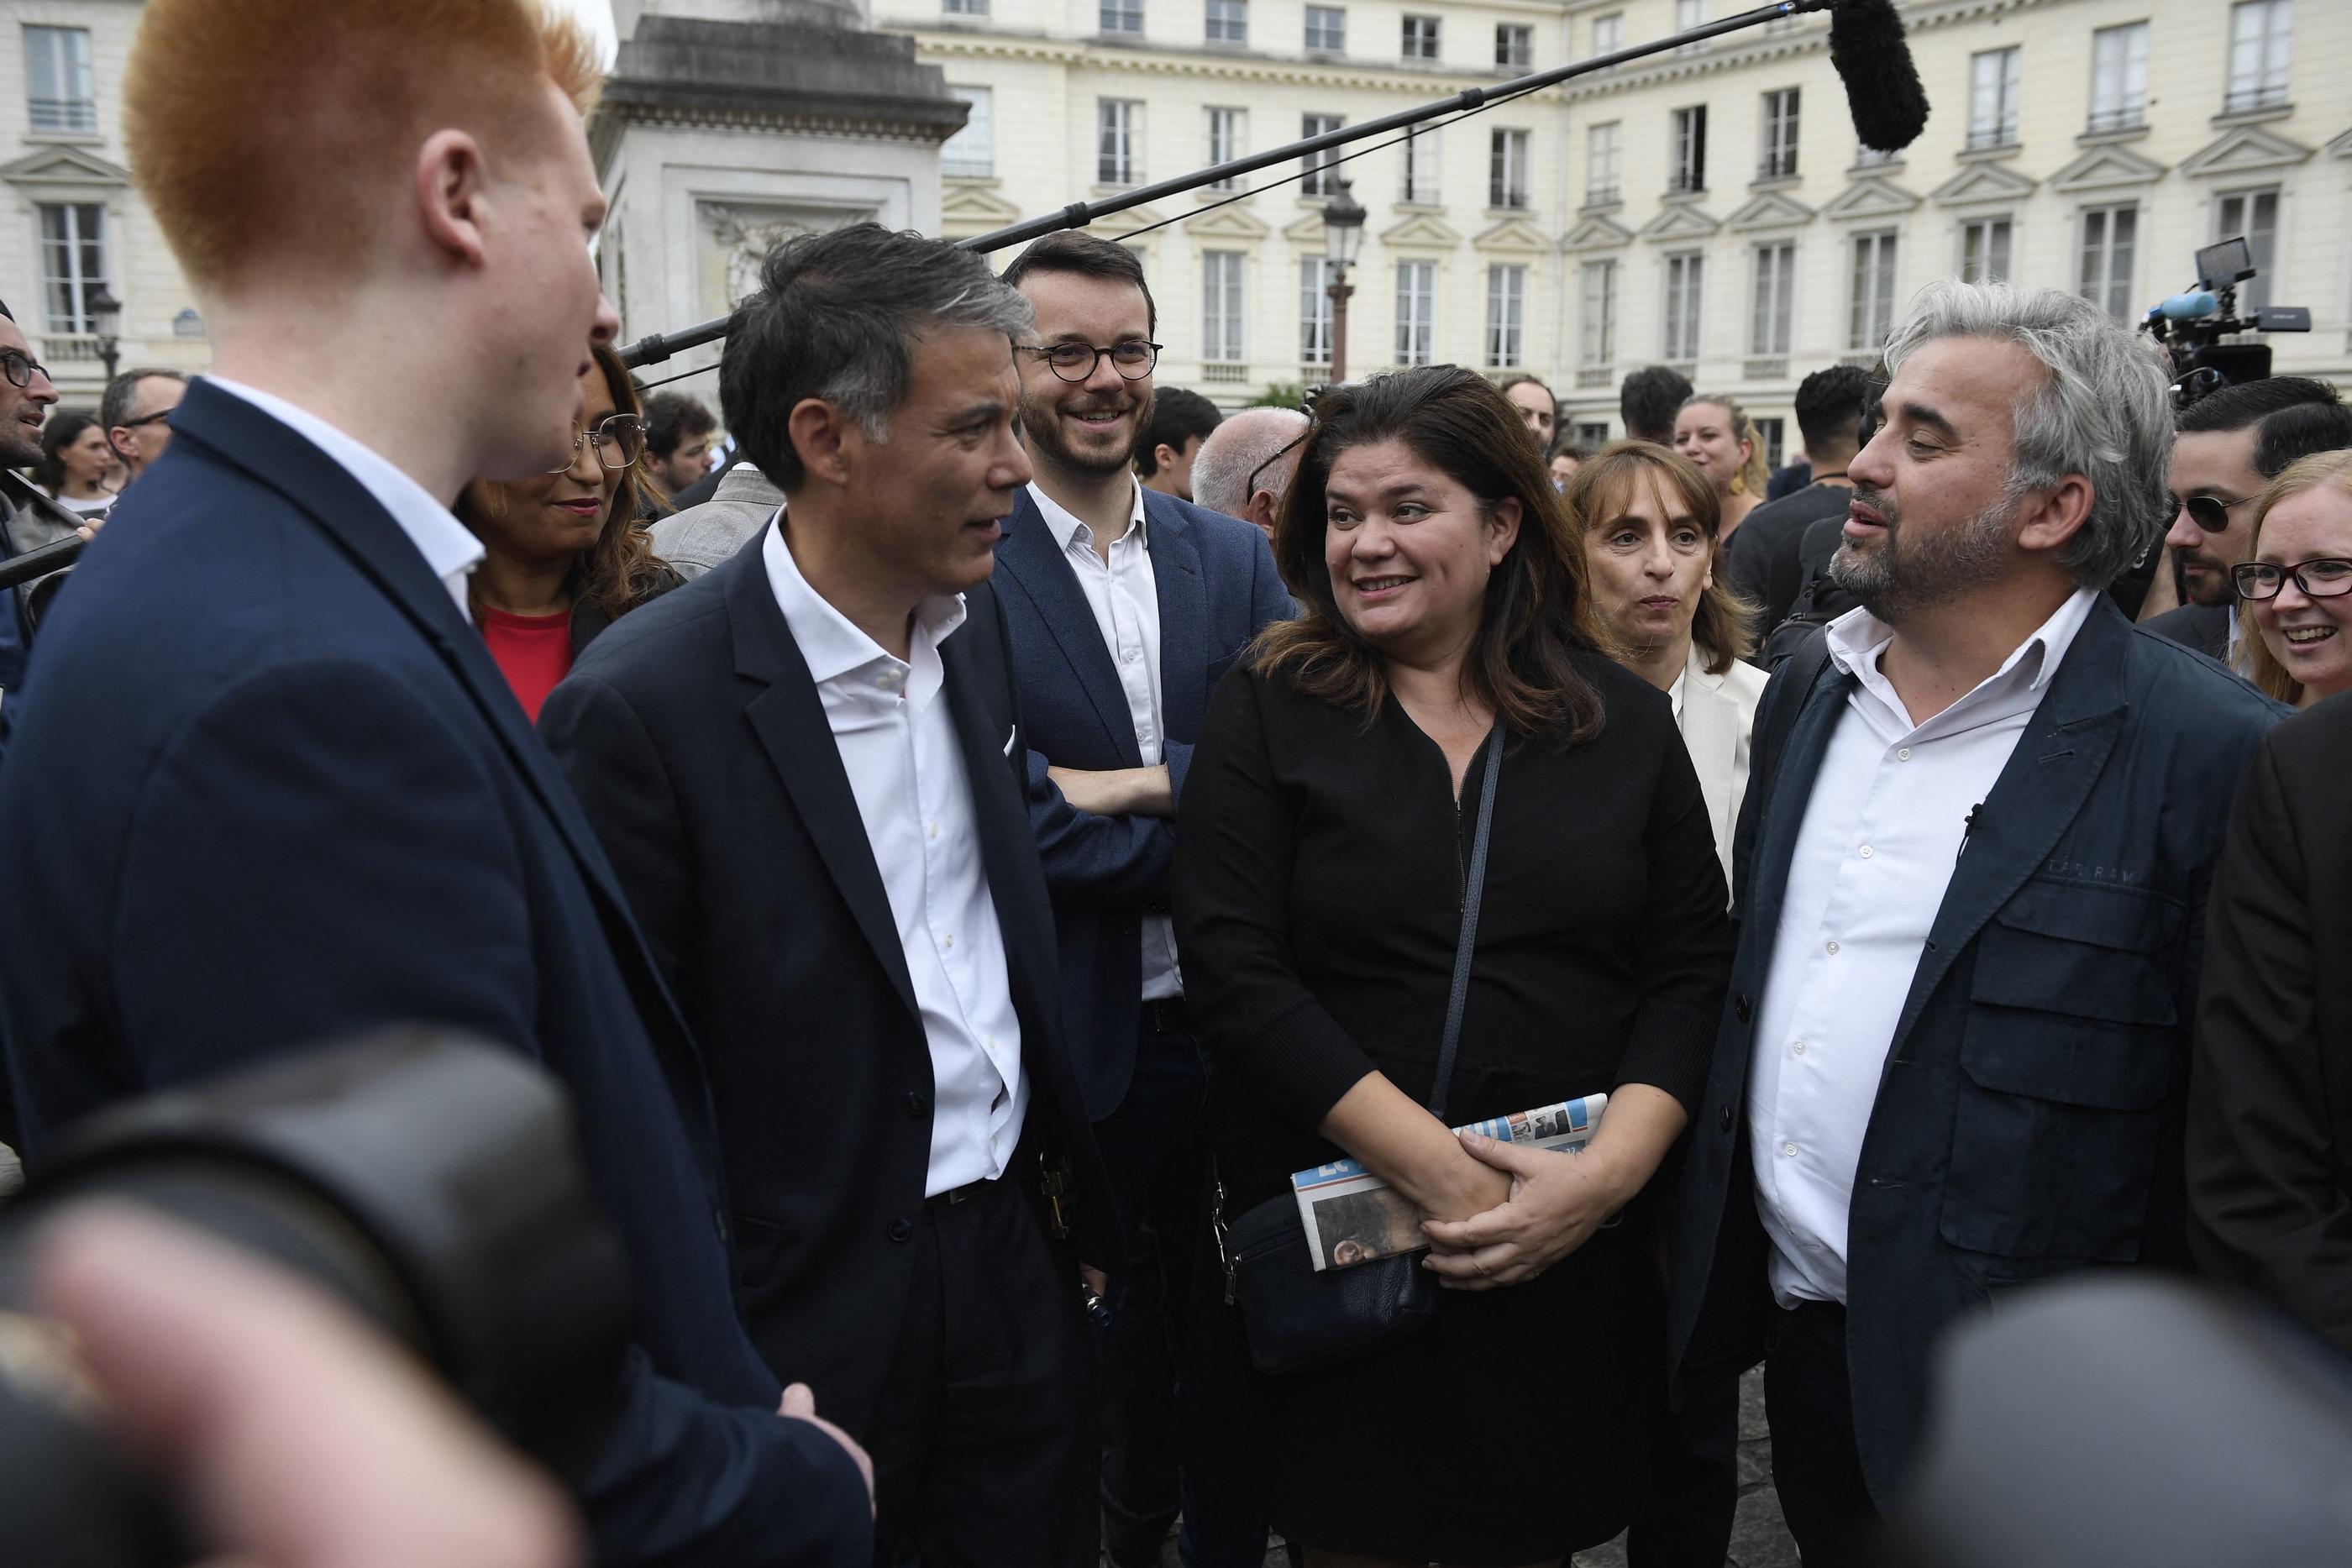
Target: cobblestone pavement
x,y
1758,1538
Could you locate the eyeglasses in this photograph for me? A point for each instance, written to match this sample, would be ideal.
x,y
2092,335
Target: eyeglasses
x,y
2324,579
1132,358
2210,513
1249,487
619,440
19,370
159,417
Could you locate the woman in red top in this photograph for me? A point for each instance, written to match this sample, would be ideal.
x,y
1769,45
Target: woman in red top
x,y
564,552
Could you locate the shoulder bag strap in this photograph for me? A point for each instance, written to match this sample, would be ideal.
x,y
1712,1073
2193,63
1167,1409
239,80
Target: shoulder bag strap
x,y
1473,886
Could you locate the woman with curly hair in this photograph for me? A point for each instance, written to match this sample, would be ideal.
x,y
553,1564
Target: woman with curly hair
x,y
564,552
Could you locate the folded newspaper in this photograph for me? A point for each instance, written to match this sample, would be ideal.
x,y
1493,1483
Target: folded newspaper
x,y
1354,1216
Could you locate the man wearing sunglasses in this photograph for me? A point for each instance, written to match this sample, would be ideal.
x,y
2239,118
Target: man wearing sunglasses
x,y
137,414
2226,447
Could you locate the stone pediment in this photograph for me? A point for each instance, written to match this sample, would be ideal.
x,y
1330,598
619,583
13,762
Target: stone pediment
x,y
1235,223
1770,209
64,166
2245,150
973,209
1119,225
1680,222
1871,196
1983,182
1420,231
1597,234
2105,169
1514,236
1307,231
2341,147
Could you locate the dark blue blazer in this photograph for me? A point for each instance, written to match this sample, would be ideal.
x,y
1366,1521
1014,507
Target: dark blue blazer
x,y
271,791
700,748
1216,586
2028,1119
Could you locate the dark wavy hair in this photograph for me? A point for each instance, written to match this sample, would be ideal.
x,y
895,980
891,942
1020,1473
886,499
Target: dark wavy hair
x,y
620,571
1725,626
64,428
1536,615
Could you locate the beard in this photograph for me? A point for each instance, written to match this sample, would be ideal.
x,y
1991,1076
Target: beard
x,y
1897,579
2212,588
1041,428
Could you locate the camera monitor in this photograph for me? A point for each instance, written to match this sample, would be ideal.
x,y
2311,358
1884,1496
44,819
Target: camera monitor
x,y
2224,263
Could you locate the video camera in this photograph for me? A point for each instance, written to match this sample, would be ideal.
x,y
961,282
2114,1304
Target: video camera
x,y
2191,326
428,1182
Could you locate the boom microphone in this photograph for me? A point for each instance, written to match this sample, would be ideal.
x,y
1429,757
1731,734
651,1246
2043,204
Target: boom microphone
x,y
1882,85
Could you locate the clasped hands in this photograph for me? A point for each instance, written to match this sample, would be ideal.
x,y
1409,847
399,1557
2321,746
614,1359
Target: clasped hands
x,y
1521,1210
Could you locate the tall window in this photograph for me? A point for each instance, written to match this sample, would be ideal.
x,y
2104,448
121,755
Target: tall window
x,y
1228,129
1689,14
964,7
2105,278
1419,168
1507,316
1416,313
1776,297
1596,331
1871,315
1515,46
1775,436
1322,179
1228,21
1314,310
1609,33
1780,160
59,86
1685,283
1689,150
2254,214
1984,251
1600,146
73,263
1595,435
1118,142
1327,29
2261,32
1122,15
2118,76
971,153
1506,168
1221,306
1421,37
1995,77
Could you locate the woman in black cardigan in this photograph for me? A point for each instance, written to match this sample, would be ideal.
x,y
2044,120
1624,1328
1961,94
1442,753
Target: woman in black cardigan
x,y
1321,853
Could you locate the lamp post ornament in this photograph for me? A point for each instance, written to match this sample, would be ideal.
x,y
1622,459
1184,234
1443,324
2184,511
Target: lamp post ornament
x,y
1343,231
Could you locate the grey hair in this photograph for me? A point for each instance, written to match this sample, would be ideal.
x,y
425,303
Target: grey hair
x,y
1232,452
837,318
2102,409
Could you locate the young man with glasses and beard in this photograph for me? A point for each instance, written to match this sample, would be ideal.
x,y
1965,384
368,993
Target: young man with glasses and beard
x,y
28,519
2226,446
1124,606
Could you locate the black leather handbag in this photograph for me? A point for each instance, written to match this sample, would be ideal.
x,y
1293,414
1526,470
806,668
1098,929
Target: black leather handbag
x,y
1295,1317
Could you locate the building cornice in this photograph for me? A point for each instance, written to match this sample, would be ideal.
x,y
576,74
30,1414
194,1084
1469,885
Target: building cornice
x,y
1142,57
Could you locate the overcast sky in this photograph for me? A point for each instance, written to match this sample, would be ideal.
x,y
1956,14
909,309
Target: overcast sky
x,y
598,14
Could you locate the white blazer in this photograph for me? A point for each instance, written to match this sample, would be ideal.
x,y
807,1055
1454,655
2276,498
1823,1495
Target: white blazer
x,y
1718,716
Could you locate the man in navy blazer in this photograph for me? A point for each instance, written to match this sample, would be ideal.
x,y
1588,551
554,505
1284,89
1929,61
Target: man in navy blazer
x,y
1971,875
1125,607
273,790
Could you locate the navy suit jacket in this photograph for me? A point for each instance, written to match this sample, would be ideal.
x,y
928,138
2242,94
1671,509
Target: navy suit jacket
x,y
2028,1118
700,747
1216,586
274,792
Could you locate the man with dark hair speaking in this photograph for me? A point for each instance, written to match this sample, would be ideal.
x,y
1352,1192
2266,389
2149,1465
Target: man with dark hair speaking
x,y
29,518
808,766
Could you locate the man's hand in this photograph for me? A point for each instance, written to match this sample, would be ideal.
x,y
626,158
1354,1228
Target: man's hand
x,y
1117,792
800,1405
1557,1201
300,1437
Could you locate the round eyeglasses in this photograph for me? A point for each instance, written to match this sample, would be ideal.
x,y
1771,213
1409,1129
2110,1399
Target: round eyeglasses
x,y
20,369
619,440
1132,358
2324,578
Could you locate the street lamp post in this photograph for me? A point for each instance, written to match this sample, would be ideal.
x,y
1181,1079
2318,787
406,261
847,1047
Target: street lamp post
x,y
106,316
1343,231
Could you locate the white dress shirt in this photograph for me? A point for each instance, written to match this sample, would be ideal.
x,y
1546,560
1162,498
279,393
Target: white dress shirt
x,y
449,545
1125,596
1884,828
897,743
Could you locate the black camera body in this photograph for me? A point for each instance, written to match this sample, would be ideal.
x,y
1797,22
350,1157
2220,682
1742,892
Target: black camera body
x,y
2193,327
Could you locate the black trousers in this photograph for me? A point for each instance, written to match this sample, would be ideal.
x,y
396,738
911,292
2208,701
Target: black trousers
x,y
1816,1467
983,1444
1691,1495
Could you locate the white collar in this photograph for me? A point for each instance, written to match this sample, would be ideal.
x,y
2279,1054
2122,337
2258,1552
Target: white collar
x,y
829,642
1064,525
449,545
1858,638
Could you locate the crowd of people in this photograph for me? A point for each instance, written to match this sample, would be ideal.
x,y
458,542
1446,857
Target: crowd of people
x,y
969,837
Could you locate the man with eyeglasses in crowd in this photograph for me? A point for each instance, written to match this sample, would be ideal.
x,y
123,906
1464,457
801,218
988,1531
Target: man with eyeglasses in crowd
x,y
1246,464
28,519
1124,606
136,415
2226,447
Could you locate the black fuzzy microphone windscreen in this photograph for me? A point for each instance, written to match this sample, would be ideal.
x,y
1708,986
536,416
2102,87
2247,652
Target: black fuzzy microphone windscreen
x,y
1882,85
